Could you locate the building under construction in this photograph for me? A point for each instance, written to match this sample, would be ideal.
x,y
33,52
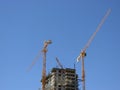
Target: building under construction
x,y
62,79
65,78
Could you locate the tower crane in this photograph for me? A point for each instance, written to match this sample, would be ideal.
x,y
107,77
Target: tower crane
x,y
83,51
62,68
44,51
59,63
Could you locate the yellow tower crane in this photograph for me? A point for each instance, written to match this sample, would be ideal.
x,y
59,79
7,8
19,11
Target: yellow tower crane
x,y
44,63
44,51
83,51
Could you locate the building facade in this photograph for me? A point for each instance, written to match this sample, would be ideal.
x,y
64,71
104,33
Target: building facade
x,y
62,79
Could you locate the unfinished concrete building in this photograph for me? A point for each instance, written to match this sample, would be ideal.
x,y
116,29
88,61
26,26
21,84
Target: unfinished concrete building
x,y
62,79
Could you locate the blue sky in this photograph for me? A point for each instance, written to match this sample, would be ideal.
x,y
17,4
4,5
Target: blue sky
x,y
26,24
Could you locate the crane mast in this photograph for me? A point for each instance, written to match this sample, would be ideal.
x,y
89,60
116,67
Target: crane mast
x,y
44,63
83,52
